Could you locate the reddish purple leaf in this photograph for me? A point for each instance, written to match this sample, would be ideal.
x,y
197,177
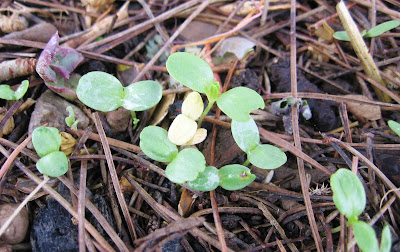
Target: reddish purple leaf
x,y
55,66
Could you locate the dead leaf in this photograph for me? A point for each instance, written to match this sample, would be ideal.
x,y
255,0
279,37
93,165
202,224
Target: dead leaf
x,y
368,111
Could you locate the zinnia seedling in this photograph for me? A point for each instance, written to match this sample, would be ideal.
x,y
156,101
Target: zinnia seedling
x,y
349,198
196,74
104,92
371,33
47,142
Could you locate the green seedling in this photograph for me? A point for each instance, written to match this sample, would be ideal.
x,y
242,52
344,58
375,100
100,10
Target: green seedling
x,y
195,73
349,198
104,92
372,33
247,137
7,93
189,165
47,142
70,120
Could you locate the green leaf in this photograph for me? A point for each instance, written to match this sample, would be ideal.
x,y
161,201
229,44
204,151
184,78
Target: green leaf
x,y
186,166
155,144
142,95
7,93
382,28
54,164
395,126
235,177
246,134
70,120
190,70
238,102
341,35
266,156
21,90
100,91
348,194
46,140
386,239
207,180
365,236
212,91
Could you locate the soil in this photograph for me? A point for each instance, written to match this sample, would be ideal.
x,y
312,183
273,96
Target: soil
x,y
130,205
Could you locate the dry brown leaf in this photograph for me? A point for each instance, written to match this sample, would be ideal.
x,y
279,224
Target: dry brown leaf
x,y
368,111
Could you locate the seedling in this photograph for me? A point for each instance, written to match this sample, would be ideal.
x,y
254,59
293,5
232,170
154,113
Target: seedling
x,y
196,74
104,92
7,93
70,120
189,165
47,142
349,198
284,107
55,65
247,137
372,33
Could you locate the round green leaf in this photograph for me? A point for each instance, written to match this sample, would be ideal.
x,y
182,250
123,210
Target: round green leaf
x,y
100,91
365,237
266,156
395,126
207,180
186,166
348,194
238,102
246,134
142,95
54,164
190,70
6,93
46,140
155,144
235,177
386,239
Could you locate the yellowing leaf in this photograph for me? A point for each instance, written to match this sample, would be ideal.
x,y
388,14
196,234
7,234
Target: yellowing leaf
x,y
199,137
182,129
193,106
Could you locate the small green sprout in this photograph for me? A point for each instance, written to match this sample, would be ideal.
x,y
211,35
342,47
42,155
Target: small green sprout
x,y
7,93
47,142
70,120
247,137
189,165
195,73
104,92
349,198
395,126
372,33
183,166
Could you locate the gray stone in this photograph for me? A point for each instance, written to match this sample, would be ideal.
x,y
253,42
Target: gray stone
x,y
51,109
